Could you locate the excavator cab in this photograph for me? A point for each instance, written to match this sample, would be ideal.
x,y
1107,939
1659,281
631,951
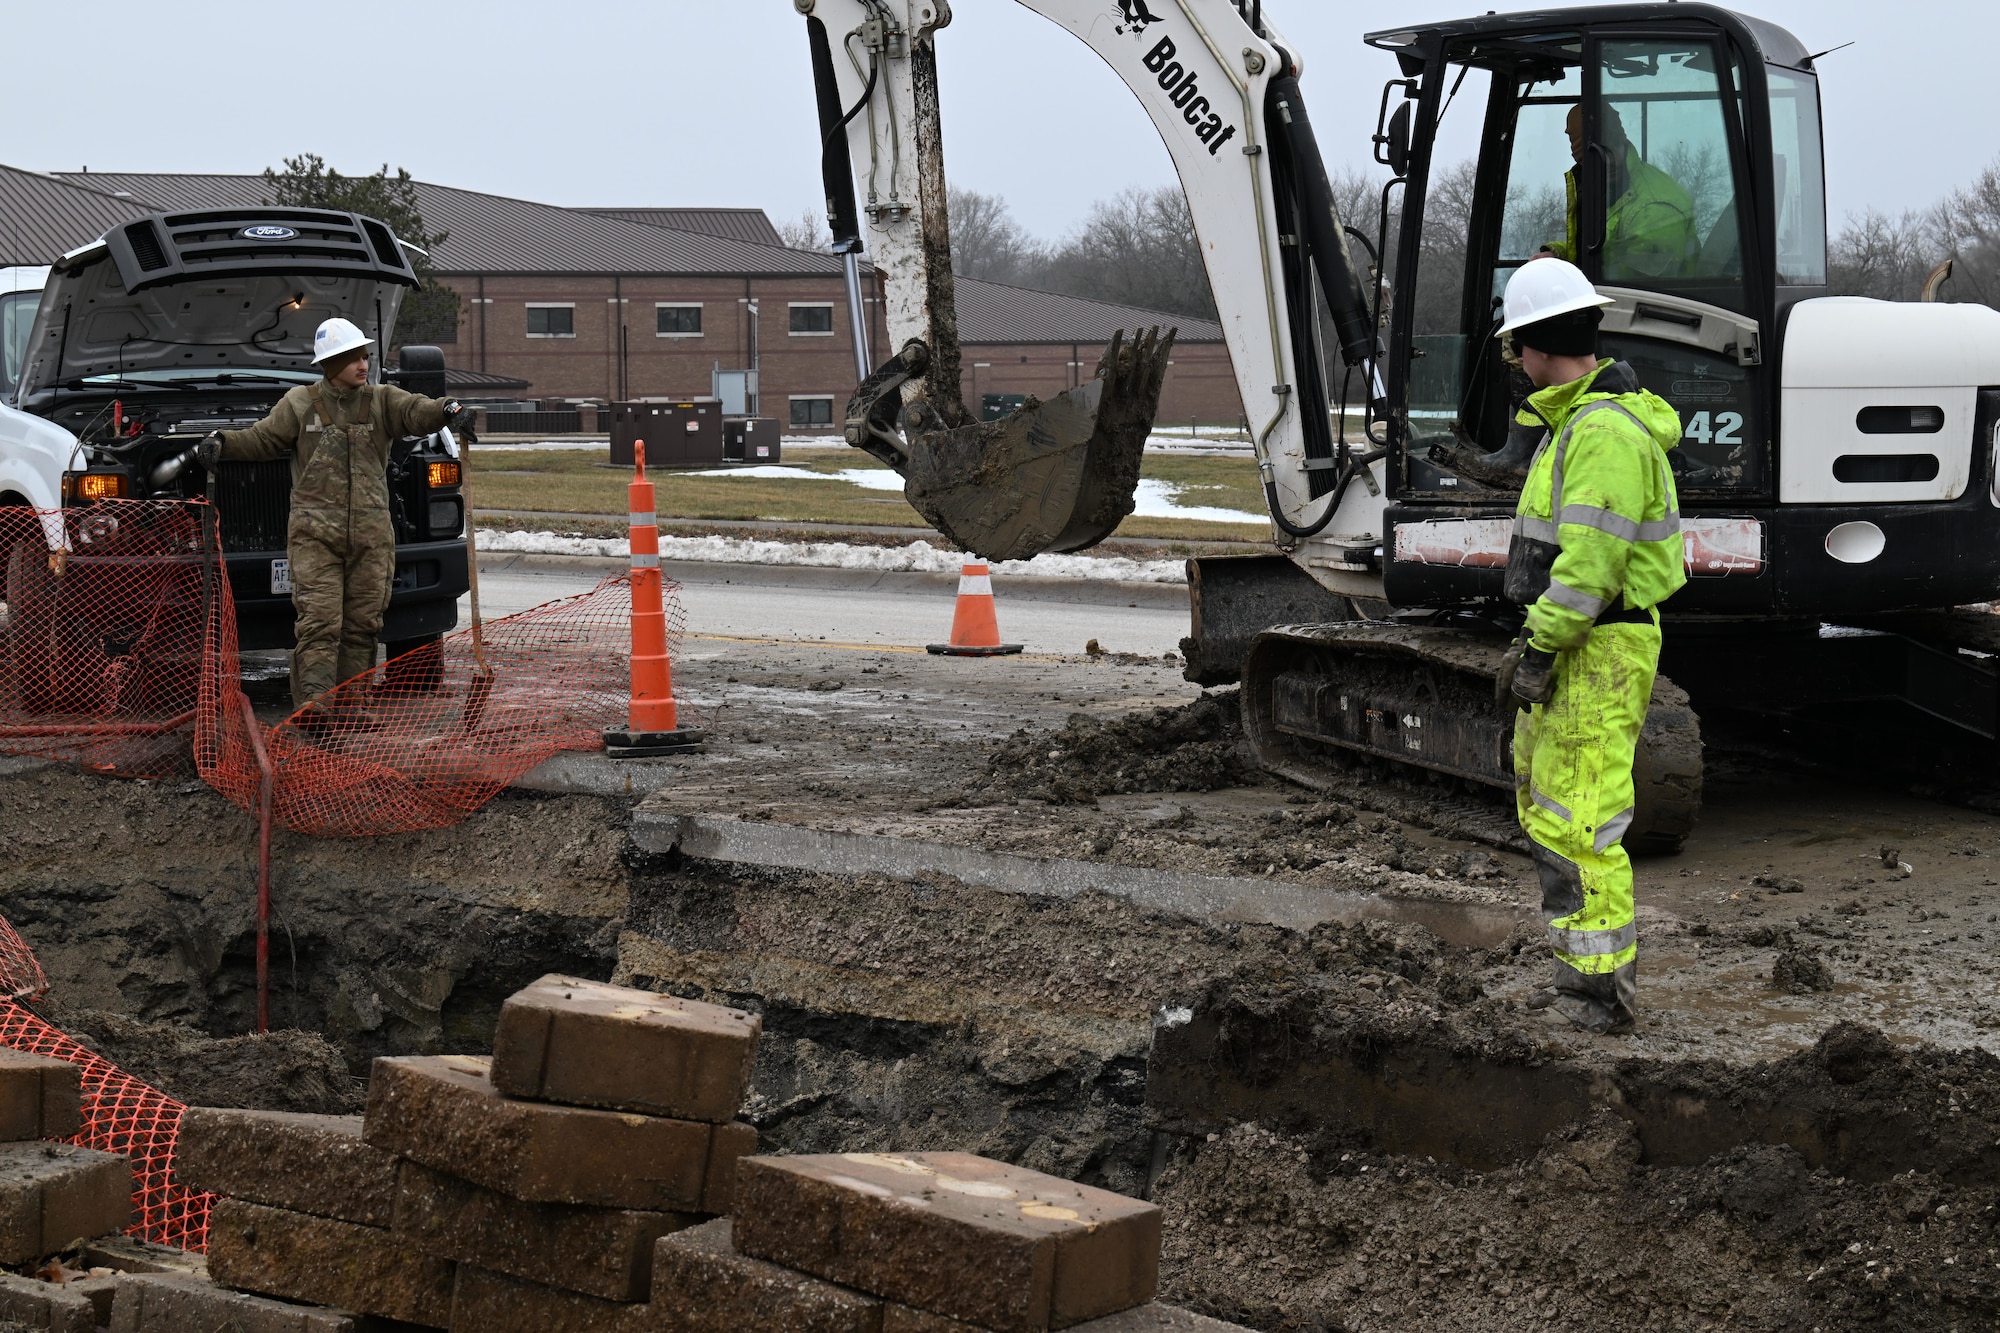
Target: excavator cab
x,y
1626,139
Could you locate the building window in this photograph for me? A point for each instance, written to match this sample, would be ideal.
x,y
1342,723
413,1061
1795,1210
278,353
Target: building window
x,y
812,411
552,321
677,321
812,320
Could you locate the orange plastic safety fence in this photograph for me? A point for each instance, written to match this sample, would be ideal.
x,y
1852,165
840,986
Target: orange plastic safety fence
x,y
424,740
124,1116
121,648
120,634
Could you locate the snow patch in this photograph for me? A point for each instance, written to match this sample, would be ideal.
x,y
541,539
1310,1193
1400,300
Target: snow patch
x,y
1154,499
917,557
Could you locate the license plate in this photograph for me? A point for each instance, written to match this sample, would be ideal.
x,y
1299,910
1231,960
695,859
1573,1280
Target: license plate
x,y
281,576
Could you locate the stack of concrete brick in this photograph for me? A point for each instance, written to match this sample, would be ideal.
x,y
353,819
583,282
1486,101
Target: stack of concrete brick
x,y
52,1195
489,1194
916,1243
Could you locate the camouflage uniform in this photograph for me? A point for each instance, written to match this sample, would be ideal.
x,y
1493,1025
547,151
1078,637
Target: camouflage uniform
x,y
340,540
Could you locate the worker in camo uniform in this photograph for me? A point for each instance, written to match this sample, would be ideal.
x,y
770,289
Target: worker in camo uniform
x,y
1596,548
340,541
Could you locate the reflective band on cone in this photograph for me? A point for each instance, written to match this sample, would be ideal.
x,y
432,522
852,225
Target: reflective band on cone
x,y
654,725
975,629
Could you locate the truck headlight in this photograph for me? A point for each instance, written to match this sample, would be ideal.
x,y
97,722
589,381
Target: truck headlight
x,y
443,473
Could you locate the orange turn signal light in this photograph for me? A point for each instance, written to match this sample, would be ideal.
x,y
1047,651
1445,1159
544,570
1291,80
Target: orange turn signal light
x,y
101,486
444,474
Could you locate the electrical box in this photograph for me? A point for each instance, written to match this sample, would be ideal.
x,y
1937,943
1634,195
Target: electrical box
x,y
993,406
679,432
750,440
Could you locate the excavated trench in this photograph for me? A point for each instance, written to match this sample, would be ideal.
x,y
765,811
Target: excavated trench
x,y
1351,1127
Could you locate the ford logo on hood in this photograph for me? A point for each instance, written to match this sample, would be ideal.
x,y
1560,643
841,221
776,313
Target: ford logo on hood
x,y
267,232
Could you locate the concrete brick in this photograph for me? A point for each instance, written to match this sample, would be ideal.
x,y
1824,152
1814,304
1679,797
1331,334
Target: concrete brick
x,y
702,1285
40,1097
1143,1319
495,1303
976,1240
178,1303
726,1146
44,1305
443,1112
603,1252
315,1164
590,1044
52,1194
276,1252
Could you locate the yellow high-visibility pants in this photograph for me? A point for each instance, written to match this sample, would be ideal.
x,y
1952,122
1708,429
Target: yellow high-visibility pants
x,y
1573,766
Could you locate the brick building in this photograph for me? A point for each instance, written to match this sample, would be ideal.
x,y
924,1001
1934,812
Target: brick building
x,y
607,304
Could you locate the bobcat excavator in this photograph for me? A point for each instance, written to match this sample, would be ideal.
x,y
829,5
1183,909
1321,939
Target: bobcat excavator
x,y
1837,474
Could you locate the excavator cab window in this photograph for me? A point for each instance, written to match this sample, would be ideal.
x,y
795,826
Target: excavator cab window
x,y
1623,152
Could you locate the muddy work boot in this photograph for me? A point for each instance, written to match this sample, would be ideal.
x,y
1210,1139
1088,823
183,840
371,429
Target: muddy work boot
x,y
1506,469
1583,1011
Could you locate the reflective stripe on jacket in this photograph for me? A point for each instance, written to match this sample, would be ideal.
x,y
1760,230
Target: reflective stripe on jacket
x,y
1598,526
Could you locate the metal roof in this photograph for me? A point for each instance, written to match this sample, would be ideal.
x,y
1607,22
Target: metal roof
x,y
738,224
41,218
493,234
992,312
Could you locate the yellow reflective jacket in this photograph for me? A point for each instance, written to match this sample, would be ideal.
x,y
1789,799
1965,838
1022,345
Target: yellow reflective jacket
x,y
1650,230
1598,527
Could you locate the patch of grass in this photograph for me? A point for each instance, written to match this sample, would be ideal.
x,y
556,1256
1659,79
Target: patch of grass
x,y
559,481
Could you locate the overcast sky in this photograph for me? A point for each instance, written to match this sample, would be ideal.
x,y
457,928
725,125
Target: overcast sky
x,y
689,102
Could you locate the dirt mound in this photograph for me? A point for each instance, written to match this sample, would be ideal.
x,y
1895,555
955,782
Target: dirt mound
x,y
1799,970
273,1071
1283,1234
1196,747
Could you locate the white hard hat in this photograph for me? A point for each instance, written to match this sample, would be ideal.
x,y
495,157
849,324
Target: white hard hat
x,y
336,336
1544,288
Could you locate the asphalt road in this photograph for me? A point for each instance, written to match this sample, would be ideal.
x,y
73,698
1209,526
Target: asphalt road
x,y
862,606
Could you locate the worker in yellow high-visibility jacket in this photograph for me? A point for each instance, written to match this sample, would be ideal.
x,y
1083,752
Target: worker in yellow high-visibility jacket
x,y
1649,222
1596,549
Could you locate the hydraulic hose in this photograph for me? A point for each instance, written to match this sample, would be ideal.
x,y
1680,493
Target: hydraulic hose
x,y
1326,235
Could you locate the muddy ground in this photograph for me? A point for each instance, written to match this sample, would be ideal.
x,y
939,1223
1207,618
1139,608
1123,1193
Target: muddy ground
x,y
1353,1128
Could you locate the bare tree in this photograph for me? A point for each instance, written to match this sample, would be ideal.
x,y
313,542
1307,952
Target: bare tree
x,y
986,241
807,231
1965,228
1137,248
1880,256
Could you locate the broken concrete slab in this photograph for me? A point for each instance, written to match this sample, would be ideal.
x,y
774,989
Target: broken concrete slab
x,y
54,1194
277,1252
1215,898
180,1303
444,1112
603,1252
315,1164
977,1240
702,1284
495,1303
40,1097
585,1043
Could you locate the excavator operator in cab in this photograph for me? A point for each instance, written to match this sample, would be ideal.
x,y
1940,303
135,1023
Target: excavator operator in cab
x,y
1649,231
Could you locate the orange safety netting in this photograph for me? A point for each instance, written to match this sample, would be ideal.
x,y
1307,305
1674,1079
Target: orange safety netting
x,y
119,631
124,1116
122,648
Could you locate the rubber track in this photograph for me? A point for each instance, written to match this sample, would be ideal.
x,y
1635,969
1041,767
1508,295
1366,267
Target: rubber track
x,y
1667,773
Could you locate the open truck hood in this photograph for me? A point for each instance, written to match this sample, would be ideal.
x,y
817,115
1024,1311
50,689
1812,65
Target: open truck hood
x,y
224,289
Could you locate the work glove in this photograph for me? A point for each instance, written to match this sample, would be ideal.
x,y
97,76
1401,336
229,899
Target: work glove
x,y
1510,662
209,452
1535,677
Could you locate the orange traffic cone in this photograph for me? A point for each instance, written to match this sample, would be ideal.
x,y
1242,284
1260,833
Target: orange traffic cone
x,y
653,721
975,630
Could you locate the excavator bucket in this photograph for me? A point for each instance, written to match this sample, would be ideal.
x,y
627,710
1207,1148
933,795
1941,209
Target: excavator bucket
x,y
1055,475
